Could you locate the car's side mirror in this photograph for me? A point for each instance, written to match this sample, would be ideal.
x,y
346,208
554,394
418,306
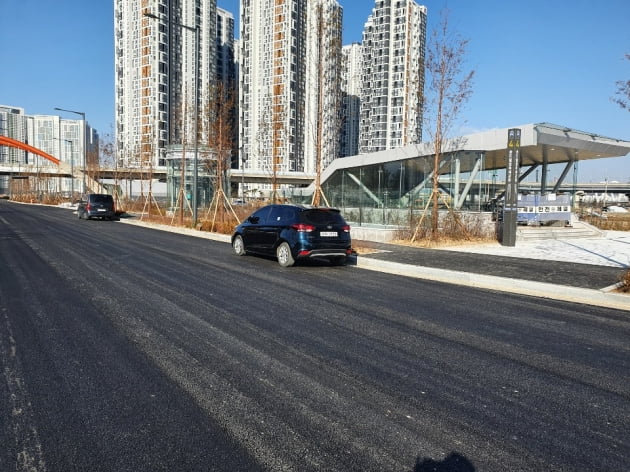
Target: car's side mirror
x,y
253,219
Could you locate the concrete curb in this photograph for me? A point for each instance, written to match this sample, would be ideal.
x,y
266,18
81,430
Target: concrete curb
x,y
226,238
584,296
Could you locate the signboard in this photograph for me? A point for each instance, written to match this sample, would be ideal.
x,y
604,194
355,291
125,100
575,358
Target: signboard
x,y
511,188
540,208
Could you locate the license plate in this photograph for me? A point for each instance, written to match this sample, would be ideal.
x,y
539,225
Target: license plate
x,y
328,234
101,209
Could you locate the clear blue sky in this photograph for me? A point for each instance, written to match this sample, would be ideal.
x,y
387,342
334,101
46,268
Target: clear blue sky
x,y
540,60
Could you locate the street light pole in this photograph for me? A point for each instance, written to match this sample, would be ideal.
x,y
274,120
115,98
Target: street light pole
x,y
196,132
71,169
69,141
82,114
195,30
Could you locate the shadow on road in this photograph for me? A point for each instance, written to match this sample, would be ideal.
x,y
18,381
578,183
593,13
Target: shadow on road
x,y
453,463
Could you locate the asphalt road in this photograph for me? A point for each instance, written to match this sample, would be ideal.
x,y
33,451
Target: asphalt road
x,y
129,349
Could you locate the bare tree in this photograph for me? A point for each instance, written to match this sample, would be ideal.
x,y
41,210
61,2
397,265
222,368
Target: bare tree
x,y
107,146
179,120
327,59
623,100
109,160
622,96
449,89
318,194
220,117
278,134
149,146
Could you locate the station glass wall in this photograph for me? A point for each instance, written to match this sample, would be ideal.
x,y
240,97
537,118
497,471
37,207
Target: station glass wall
x,y
174,178
407,184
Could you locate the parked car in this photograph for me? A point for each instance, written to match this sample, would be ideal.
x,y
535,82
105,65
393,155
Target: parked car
x,y
293,232
97,205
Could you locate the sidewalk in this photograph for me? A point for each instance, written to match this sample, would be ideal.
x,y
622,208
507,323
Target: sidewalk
x,y
578,270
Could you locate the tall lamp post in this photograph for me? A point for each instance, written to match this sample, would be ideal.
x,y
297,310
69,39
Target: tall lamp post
x,y
71,168
69,141
82,114
194,29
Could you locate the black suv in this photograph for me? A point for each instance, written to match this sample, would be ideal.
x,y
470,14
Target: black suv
x,y
97,205
292,232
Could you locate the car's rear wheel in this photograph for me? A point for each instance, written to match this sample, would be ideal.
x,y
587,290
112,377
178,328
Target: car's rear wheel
x,y
238,246
283,253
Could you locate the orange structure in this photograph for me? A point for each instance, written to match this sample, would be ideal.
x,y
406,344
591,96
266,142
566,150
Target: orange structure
x,y
5,141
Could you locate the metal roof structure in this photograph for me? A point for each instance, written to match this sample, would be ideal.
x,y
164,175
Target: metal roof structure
x,y
541,144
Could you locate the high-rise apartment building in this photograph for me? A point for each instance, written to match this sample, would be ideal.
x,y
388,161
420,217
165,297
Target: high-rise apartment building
x,y
13,124
393,45
324,76
156,73
225,48
289,84
351,87
227,77
65,139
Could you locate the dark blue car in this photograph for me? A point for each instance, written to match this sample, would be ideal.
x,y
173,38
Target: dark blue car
x,y
293,232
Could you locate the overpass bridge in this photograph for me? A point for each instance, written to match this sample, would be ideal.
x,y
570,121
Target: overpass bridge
x,y
542,144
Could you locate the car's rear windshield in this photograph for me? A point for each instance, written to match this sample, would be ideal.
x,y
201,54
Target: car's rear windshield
x,y
101,198
322,217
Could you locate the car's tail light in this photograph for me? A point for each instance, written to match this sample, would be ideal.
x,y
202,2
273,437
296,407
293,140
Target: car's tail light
x,y
303,253
303,227
88,207
346,229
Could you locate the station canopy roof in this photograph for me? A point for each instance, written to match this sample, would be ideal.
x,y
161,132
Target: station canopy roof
x,y
541,144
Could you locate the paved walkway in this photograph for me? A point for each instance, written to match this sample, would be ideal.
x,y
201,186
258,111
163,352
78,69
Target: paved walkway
x,y
612,250
578,270
589,263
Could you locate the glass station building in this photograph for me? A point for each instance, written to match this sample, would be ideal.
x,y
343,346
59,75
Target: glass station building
x,y
472,171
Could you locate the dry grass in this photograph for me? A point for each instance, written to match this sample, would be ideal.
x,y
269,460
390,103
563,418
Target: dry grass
x,y
363,247
611,221
455,229
220,220
444,241
44,199
624,282
219,225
